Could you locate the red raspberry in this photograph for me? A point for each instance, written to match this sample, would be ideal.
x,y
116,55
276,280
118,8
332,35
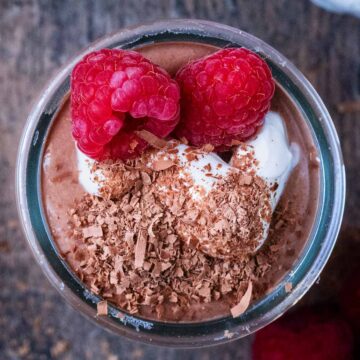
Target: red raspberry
x,y
115,93
224,97
311,334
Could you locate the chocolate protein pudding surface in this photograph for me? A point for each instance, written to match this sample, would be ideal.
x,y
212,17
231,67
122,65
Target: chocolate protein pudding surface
x,y
290,228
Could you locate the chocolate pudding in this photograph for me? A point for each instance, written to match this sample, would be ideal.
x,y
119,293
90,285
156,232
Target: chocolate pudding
x,y
290,227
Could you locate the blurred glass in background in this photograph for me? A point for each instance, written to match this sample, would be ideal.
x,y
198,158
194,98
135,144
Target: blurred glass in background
x,y
351,7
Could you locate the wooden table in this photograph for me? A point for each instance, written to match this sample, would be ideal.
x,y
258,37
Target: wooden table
x,y
37,37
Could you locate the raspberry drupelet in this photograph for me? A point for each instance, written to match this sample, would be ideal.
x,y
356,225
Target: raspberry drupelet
x,y
115,93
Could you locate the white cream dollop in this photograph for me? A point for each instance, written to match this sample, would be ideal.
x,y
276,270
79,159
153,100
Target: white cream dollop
x,y
273,160
88,179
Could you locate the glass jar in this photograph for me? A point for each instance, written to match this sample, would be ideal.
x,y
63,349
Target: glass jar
x,y
303,273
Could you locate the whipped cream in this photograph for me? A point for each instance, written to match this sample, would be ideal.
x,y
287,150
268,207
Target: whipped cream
x,y
202,180
273,159
268,155
88,179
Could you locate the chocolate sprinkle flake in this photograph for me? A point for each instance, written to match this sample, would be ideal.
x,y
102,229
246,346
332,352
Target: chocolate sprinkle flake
x,y
208,148
102,308
92,231
151,139
160,165
140,249
288,287
241,307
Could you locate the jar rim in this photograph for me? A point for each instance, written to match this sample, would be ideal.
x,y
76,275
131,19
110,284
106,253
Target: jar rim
x,y
210,332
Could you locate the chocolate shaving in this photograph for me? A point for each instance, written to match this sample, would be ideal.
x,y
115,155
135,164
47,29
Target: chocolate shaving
x,y
208,148
145,178
151,139
288,287
160,165
102,308
241,307
92,231
140,249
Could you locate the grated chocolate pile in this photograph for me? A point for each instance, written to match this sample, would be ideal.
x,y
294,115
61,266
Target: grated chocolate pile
x,y
138,248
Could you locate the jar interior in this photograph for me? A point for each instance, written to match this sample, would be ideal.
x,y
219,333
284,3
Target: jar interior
x,y
264,309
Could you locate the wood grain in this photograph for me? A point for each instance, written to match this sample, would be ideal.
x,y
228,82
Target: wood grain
x,y
36,37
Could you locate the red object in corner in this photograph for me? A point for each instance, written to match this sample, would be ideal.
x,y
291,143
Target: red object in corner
x,y
308,334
